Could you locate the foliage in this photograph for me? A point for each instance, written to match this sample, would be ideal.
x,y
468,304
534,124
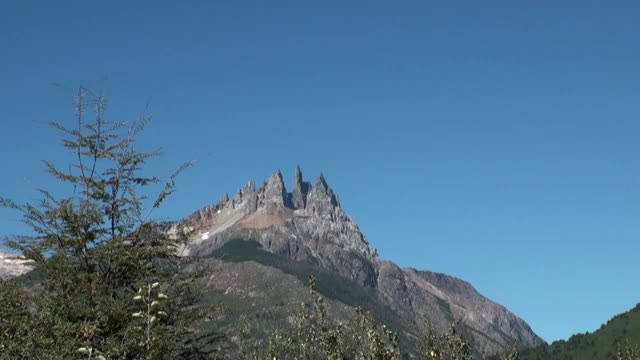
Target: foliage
x,y
628,352
608,342
151,316
313,336
447,346
93,249
91,353
16,319
513,355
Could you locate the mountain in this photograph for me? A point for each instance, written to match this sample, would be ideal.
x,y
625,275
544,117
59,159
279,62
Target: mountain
x,y
599,345
264,242
11,265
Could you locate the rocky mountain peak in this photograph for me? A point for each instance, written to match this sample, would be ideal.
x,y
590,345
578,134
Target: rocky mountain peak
x,y
300,190
318,199
309,226
308,212
274,193
275,180
251,185
322,200
298,175
322,182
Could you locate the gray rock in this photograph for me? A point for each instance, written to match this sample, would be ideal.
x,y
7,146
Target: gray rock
x,y
300,190
322,201
274,194
309,225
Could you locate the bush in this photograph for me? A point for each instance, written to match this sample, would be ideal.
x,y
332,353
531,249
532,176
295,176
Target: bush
x,y
313,336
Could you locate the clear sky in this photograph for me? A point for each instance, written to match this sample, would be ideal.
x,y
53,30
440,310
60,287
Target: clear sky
x,y
497,141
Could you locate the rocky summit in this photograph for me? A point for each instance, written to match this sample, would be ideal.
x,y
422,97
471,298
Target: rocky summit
x,y
309,228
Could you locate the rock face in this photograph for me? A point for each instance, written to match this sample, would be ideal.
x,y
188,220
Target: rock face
x,y
309,225
12,265
274,194
300,190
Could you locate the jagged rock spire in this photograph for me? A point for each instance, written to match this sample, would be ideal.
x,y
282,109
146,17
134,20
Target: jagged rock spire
x,y
318,216
275,193
321,199
251,186
322,182
300,190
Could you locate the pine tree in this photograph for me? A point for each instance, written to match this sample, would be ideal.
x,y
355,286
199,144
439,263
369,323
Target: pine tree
x,y
93,250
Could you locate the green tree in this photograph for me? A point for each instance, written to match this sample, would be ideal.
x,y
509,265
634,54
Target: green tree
x,y
447,346
93,249
627,351
16,320
313,336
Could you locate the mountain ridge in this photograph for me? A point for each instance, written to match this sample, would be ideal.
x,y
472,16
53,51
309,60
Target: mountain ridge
x,y
309,225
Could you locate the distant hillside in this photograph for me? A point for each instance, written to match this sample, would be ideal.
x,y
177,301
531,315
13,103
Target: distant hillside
x,y
600,345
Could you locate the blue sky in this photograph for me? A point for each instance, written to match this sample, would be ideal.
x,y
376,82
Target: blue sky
x,y
496,141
